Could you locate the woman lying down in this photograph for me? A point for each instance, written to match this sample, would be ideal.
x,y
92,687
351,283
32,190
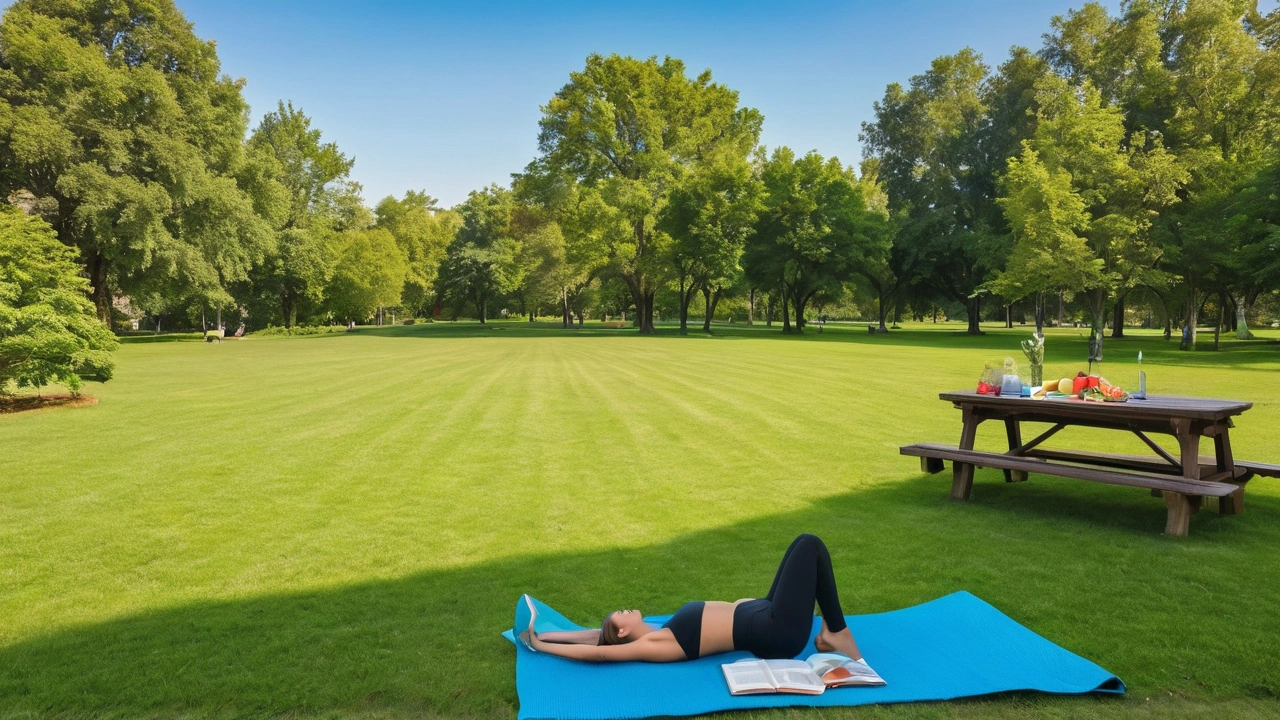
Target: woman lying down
x,y
775,626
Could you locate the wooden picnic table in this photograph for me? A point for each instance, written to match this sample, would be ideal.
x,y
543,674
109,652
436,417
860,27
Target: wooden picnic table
x,y
1182,477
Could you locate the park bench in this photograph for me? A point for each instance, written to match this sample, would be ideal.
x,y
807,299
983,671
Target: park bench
x,y
212,335
1183,479
1230,496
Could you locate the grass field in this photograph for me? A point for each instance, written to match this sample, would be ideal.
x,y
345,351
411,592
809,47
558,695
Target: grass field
x,y
341,525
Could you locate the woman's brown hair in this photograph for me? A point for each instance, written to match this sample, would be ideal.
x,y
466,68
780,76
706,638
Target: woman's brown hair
x,y
609,633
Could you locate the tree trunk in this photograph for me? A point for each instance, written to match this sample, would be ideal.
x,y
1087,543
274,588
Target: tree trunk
x,y
751,306
204,324
564,308
646,325
707,308
883,311
484,310
786,315
975,315
219,318
1193,319
800,303
1008,316
1062,302
1040,314
1242,323
99,292
286,309
1117,318
897,314
1097,325
686,297
1222,316
768,311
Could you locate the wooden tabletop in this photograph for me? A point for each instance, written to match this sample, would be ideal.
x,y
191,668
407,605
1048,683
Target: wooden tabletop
x,y
1154,405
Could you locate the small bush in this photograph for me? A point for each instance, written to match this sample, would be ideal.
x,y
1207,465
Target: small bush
x,y
273,330
408,321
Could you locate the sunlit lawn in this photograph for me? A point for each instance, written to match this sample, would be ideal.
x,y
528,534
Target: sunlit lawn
x,y
341,525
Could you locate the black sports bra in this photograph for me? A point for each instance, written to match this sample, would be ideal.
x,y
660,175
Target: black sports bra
x,y
686,625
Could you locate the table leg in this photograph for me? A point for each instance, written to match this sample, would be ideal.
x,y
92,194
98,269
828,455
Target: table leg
x,y
1189,442
962,473
1179,520
1233,504
1179,506
1013,430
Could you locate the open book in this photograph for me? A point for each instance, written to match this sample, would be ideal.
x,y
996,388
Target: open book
x,y
810,676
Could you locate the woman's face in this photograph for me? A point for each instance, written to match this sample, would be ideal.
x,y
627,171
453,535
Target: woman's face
x,y
626,622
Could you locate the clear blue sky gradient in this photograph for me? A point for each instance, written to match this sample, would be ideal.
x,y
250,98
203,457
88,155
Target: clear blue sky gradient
x,y
445,97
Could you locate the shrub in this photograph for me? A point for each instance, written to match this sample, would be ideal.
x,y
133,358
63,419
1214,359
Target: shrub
x,y
274,330
49,331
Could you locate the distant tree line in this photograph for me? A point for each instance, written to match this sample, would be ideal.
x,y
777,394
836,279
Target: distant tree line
x,y
1128,167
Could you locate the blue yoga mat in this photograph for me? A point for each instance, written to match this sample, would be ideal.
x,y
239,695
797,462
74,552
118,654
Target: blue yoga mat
x,y
952,647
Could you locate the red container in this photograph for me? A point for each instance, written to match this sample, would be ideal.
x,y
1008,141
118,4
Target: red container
x,y
1093,380
1078,383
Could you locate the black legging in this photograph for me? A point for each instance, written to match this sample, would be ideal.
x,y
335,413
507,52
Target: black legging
x,y
778,625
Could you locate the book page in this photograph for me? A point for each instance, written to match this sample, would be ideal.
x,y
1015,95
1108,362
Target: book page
x,y
836,670
795,676
748,677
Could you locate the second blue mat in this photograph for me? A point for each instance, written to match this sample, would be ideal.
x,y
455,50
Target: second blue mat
x,y
952,647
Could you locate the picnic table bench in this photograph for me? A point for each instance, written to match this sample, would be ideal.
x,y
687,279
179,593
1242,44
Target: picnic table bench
x,y
1183,479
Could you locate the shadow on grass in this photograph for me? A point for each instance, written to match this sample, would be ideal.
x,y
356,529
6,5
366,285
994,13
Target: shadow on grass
x,y
428,644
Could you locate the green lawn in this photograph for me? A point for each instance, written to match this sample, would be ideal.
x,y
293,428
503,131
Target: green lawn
x,y
341,525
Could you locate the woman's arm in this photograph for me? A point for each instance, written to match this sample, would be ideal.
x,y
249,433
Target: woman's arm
x,y
572,637
653,647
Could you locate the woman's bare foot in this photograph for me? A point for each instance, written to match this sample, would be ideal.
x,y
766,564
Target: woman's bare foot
x,y
841,642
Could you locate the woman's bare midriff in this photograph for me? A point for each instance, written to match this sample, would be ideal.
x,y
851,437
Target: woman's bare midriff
x,y
717,626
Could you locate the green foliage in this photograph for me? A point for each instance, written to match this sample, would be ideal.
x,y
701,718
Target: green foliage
x,y
1046,215
119,122
368,274
936,153
818,228
311,201
709,216
423,232
627,130
481,263
48,329
300,330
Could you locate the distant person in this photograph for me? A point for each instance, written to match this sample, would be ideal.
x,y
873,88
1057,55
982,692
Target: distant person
x,y
775,626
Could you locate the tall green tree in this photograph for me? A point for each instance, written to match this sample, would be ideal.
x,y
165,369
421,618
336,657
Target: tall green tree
x,y
319,201
368,274
48,330
817,230
119,120
927,143
481,264
423,231
709,216
1123,180
627,130
1047,217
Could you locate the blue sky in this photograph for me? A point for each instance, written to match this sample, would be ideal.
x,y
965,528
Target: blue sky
x,y
445,97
